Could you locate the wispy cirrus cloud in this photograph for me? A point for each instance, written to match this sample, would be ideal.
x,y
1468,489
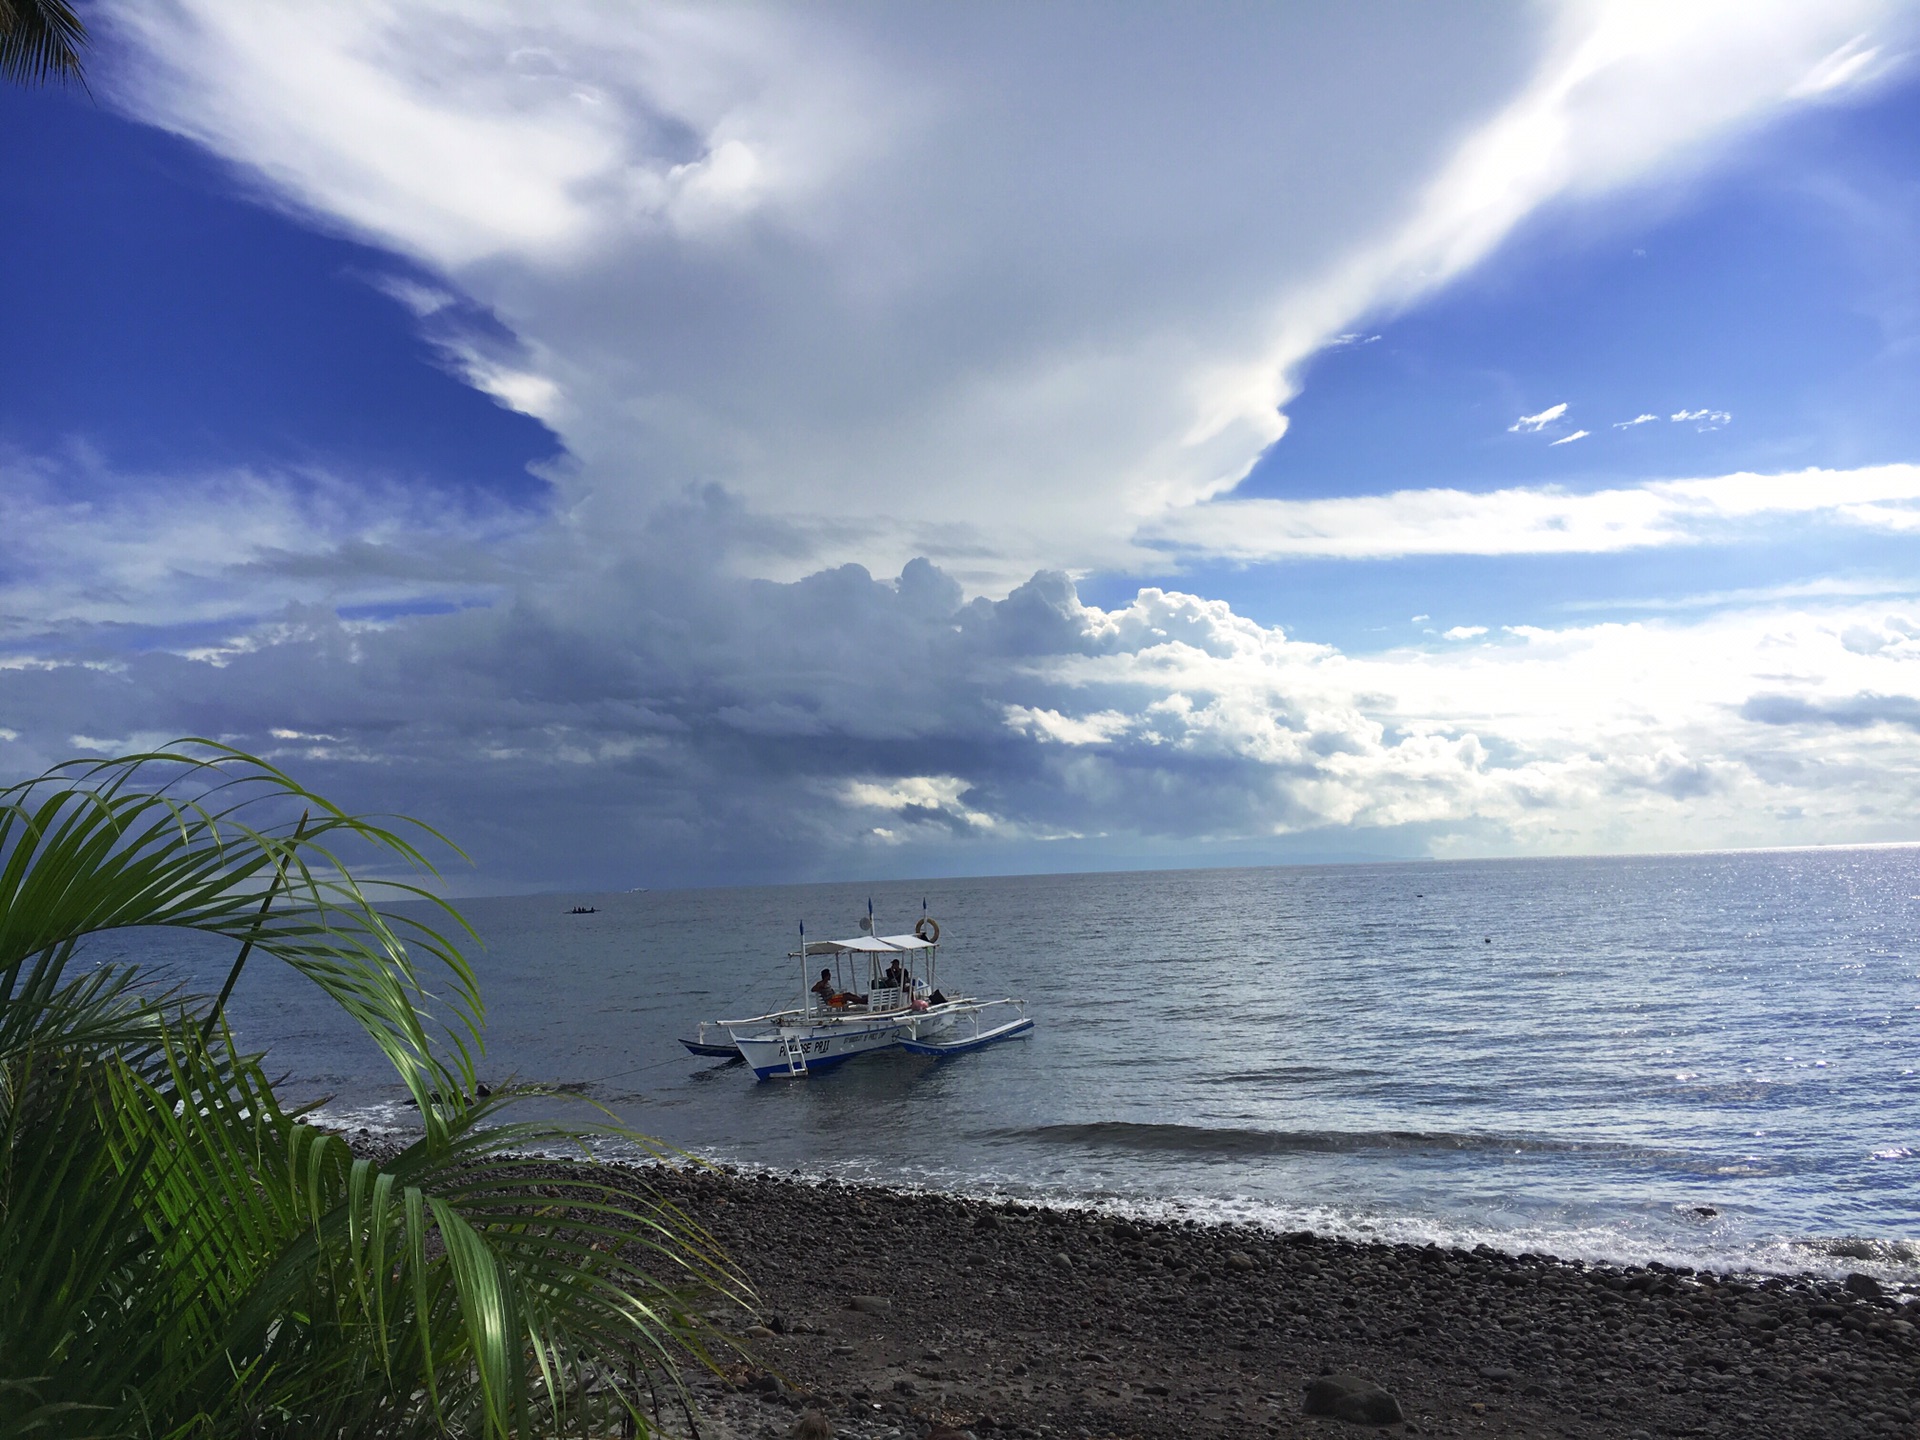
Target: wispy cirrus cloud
x,y
88,546
1542,519
1569,439
1534,424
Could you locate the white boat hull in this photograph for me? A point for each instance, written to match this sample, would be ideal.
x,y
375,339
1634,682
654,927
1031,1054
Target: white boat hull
x,y
796,1048
802,1049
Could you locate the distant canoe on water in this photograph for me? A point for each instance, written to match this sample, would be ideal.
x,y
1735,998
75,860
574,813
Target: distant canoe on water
x,y
584,910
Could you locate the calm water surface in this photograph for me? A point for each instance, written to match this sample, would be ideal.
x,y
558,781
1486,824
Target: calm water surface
x,y
1563,1055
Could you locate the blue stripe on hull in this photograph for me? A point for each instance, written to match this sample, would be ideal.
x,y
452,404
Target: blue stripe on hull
x,y
914,1047
824,1062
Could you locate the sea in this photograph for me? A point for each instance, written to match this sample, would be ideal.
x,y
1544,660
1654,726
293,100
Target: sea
x,y
1707,1059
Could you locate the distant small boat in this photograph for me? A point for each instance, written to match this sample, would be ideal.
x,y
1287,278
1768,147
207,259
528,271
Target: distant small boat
x,y
895,1008
584,910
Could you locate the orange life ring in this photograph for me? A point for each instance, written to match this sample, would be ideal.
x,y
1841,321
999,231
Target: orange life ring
x,y
928,930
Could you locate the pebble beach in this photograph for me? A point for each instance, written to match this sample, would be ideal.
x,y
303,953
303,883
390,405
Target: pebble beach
x,y
895,1313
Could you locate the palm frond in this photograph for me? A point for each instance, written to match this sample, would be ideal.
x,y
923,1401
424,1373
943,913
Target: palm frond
x,y
181,1257
83,852
40,40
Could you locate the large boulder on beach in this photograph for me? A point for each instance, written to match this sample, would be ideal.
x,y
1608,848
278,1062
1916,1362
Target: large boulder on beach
x,y
1353,1398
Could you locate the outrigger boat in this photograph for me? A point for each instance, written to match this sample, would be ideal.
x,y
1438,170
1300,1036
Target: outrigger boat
x,y
899,1008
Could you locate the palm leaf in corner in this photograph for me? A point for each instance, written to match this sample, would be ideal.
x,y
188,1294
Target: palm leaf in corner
x,y
40,40
180,1257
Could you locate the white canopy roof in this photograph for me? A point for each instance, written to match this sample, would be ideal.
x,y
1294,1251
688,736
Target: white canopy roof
x,y
868,945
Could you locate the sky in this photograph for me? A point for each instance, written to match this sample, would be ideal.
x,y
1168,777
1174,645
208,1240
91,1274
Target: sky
x,y
692,444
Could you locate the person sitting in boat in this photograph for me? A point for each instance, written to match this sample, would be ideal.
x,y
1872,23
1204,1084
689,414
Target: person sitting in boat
x,y
823,987
894,976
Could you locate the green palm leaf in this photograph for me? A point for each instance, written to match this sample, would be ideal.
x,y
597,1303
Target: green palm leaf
x,y
82,852
180,1256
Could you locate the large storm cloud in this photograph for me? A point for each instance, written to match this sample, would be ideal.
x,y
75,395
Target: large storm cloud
x,y
862,331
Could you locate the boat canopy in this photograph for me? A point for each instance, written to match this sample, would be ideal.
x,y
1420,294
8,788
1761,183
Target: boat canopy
x,y
869,945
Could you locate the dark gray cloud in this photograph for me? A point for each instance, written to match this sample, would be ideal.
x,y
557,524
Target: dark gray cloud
x,y
648,714
658,718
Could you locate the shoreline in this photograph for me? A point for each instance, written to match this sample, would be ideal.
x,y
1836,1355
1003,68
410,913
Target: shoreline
x,y
891,1310
1822,1257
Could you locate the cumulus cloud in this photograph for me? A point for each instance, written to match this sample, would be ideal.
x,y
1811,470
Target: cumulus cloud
x,y
670,721
1092,729
915,282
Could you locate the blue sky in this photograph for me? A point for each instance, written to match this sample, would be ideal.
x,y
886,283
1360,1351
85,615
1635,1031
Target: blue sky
x,y
174,321
1778,289
701,446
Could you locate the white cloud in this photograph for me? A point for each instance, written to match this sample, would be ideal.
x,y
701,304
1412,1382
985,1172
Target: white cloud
x,y
1855,63
909,282
1532,424
86,546
1464,632
937,796
1640,419
1095,729
423,300
1542,519
1014,287
790,729
1569,439
1702,419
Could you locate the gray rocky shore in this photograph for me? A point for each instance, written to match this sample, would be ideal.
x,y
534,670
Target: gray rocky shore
x,y
890,1313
